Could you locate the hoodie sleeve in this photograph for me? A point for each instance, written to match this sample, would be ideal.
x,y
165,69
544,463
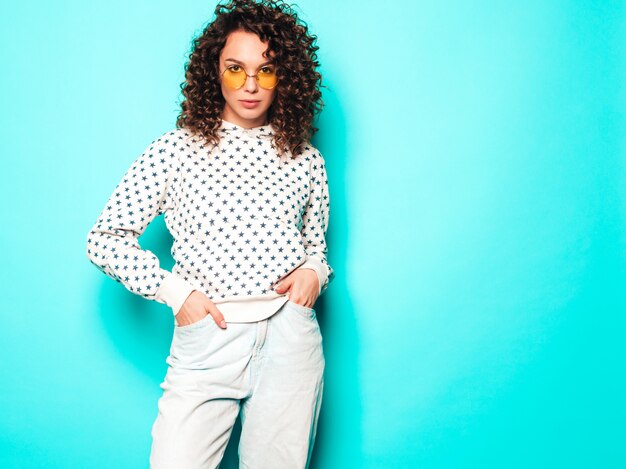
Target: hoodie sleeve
x,y
315,223
144,192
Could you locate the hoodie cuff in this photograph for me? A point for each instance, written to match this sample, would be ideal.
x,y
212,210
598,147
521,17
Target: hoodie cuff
x,y
173,291
318,267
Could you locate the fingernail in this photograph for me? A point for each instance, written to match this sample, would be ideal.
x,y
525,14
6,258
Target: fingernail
x,y
223,323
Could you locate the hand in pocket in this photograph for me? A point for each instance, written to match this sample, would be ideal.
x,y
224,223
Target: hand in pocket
x,y
196,307
303,286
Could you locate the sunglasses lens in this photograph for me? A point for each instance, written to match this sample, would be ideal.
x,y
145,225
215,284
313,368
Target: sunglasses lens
x,y
234,79
267,79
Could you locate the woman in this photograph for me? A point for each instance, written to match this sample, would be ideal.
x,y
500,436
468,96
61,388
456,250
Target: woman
x,y
245,196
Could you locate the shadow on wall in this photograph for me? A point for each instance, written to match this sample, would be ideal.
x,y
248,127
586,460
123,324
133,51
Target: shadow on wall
x,y
142,330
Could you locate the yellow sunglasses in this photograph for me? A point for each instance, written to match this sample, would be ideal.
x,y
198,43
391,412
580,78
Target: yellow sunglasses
x,y
235,77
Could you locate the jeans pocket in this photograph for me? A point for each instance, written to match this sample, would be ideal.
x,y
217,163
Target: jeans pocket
x,y
305,311
192,345
195,325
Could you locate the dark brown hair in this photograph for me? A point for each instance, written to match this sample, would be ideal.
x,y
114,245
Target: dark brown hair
x,y
298,95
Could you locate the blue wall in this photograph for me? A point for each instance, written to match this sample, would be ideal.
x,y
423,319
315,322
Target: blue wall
x,y
476,155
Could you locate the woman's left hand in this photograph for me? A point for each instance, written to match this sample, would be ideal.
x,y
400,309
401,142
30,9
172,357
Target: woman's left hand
x,y
303,286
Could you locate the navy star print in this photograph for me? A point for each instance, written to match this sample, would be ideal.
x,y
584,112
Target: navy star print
x,y
241,217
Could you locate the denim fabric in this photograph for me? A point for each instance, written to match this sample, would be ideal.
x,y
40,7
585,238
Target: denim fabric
x,y
269,372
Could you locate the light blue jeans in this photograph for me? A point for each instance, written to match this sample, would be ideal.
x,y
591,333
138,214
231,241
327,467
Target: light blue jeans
x,y
272,370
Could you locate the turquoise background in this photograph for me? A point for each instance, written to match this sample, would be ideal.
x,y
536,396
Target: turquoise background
x,y
475,152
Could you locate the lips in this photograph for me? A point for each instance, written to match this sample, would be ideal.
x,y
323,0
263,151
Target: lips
x,y
249,104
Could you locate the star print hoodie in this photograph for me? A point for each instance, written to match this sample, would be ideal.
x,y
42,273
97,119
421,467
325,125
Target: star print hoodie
x,y
241,217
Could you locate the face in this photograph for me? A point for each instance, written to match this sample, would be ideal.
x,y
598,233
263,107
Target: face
x,y
248,105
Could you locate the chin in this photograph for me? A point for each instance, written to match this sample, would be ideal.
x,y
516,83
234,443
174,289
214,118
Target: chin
x,y
251,113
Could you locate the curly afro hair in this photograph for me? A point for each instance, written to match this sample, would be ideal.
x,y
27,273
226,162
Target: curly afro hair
x,y
298,98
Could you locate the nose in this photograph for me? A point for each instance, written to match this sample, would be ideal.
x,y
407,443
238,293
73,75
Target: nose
x,y
251,84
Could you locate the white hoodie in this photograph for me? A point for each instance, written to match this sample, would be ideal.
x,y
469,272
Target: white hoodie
x,y
241,218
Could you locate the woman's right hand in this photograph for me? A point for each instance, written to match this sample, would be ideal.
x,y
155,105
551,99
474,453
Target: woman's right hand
x,y
196,307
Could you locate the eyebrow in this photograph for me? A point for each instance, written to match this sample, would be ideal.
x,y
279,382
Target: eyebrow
x,y
240,62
